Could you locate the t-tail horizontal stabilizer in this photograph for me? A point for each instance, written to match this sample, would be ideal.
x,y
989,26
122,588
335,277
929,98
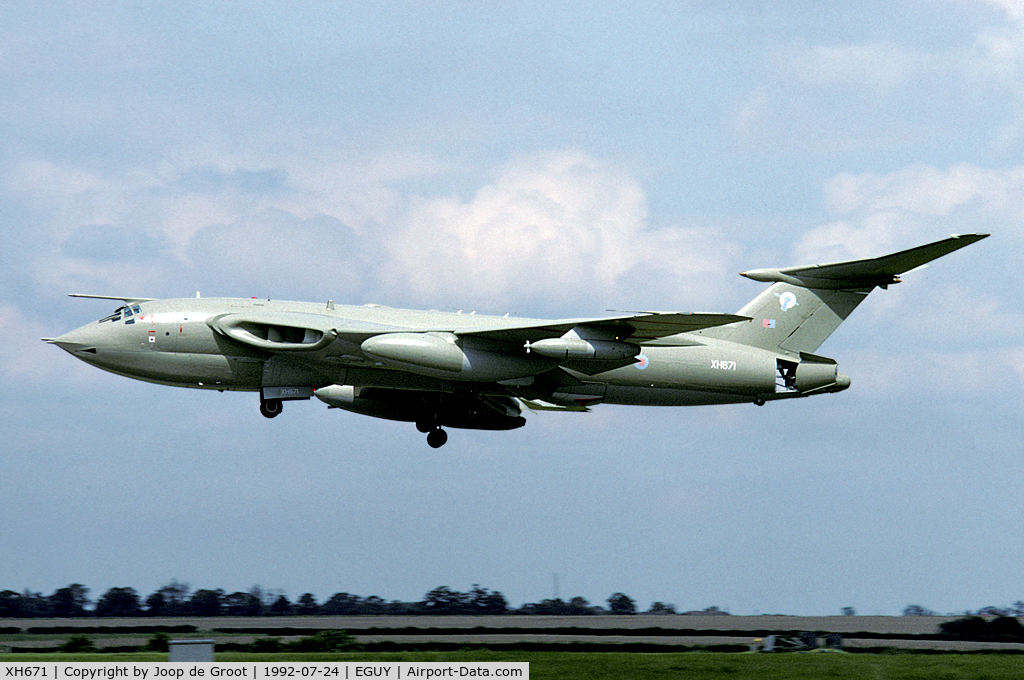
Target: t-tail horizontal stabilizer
x,y
877,271
806,304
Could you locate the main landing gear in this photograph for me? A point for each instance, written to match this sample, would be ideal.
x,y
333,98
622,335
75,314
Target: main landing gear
x,y
271,408
436,437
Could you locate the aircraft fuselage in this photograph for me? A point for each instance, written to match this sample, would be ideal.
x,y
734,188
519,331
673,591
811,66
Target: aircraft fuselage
x,y
175,342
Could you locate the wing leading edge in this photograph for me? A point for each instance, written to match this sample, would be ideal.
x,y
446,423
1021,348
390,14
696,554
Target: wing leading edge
x,y
637,327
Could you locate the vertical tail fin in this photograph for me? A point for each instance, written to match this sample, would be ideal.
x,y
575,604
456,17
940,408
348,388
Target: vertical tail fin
x,y
805,305
793,318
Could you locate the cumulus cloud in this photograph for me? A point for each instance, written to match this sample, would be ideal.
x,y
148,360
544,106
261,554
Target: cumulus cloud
x,y
880,210
555,232
560,226
562,221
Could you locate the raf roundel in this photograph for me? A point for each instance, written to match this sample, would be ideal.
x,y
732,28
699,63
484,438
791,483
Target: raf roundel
x,y
642,361
787,301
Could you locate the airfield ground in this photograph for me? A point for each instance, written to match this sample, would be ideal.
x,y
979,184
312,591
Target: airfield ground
x,y
672,631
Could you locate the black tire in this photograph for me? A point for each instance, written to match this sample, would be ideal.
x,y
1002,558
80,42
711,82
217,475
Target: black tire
x,y
437,438
271,408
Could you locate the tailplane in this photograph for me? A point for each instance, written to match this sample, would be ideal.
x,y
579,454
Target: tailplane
x,y
805,305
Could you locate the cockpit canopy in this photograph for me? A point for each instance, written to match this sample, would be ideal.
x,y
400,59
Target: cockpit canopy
x,y
129,313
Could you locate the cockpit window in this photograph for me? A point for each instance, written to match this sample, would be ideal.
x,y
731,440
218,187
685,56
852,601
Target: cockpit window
x,y
129,312
116,316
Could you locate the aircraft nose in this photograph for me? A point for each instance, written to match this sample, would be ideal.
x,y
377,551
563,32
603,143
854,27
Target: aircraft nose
x,y
85,339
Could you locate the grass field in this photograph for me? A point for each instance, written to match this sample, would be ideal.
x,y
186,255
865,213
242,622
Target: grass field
x,y
597,666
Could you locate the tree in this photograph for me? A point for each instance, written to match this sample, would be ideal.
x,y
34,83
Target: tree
x,y
35,605
1006,627
10,604
281,607
70,601
170,600
156,604
917,610
327,641
307,606
119,602
848,611
206,603
484,601
242,604
993,611
620,603
160,642
579,606
78,643
342,604
444,600
374,605
662,608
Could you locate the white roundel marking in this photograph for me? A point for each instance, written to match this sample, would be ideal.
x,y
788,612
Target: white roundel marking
x,y
787,301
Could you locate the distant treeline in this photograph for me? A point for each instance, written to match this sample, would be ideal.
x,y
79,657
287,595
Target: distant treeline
x,y
178,599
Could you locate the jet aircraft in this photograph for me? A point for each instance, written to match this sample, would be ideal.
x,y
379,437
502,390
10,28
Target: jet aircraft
x,y
442,369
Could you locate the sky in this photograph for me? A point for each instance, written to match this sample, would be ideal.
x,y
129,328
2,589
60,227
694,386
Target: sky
x,y
545,159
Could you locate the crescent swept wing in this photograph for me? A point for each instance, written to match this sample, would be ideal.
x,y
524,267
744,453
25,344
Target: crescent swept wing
x,y
638,327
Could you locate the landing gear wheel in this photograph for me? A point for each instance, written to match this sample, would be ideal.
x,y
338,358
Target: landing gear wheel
x,y
424,426
271,408
437,438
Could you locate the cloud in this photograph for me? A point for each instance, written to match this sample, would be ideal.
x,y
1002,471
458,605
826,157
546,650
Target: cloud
x,y
275,253
879,67
559,230
107,242
959,335
560,226
561,221
930,191
882,210
895,93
